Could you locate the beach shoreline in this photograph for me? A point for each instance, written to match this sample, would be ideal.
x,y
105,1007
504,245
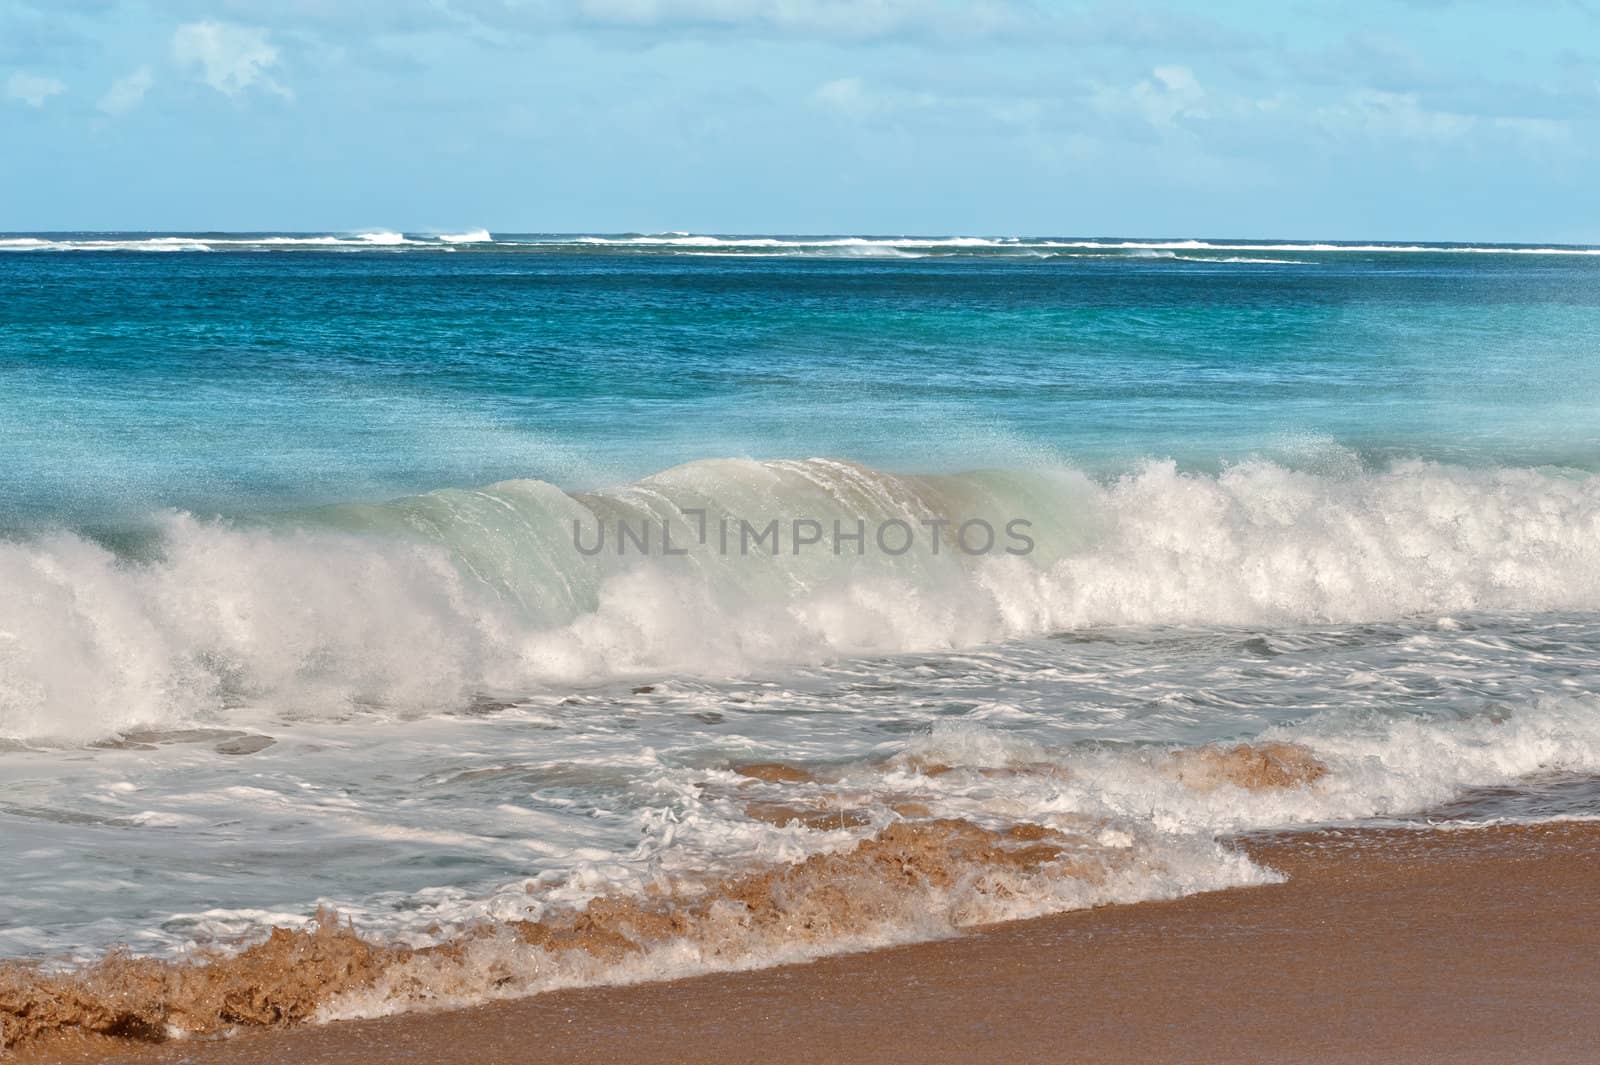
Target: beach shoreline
x,y
1383,945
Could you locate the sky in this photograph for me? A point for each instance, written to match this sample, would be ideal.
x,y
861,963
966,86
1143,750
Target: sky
x,y
1369,119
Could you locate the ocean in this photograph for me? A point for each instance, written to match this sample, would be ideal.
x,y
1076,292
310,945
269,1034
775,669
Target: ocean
x,y
560,610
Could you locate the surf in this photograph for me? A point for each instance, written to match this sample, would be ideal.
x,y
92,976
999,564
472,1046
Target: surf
x,y
421,604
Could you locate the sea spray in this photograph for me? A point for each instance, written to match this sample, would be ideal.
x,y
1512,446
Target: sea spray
x,y
416,605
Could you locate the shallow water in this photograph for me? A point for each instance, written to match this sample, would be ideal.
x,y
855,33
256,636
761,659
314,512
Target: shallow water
x,y
405,824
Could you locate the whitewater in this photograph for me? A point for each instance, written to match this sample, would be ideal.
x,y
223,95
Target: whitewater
x,y
428,602
683,243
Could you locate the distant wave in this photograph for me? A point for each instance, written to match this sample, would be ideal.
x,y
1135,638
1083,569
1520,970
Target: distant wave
x,y
1240,259
147,244
679,240
1229,252
375,239
1019,244
1433,249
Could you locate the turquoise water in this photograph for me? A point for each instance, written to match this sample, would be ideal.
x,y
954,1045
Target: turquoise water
x,y
251,378
295,609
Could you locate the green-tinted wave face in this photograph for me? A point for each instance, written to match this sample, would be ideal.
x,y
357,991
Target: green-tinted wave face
x,y
727,567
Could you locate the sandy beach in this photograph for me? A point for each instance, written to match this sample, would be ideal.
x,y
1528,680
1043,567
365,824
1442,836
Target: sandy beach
x,y
1382,946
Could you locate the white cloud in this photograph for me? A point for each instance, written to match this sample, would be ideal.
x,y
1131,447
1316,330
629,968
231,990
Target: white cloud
x,y
853,98
32,89
832,19
126,93
231,58
1539,130
1405,117
1395,115
845,94
867,102
1170,93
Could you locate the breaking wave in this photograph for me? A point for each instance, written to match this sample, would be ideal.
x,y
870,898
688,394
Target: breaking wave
x,y
421,604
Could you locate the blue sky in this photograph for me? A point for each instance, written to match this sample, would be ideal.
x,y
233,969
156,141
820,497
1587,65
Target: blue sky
x,y
1391,119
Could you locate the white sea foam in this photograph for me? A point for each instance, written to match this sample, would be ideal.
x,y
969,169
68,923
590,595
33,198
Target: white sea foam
x,y
1377,766
154,244
727,939
1139,828
1241,259
417,604
797,244
681,240
887,246
1314,246
523,813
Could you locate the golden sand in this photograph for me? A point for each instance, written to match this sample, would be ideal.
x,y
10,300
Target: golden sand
x,y
277,982
284,980
1391,947
1246,765
775,773
1383,947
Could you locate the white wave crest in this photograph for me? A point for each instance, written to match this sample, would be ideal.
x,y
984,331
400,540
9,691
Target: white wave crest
x,y
415,604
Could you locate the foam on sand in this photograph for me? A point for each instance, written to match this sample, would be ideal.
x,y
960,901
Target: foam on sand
x,y
963,826
912,880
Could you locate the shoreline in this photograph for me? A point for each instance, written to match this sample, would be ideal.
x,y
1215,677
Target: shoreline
x,y
1383,945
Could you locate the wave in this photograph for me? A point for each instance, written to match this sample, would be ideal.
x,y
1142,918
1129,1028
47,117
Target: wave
x,y
684,240
1034,246
375,239
823,246
1315,246
1241,259
417,605
150,244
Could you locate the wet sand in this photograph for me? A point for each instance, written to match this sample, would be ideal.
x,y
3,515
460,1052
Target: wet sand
x,y
1477,946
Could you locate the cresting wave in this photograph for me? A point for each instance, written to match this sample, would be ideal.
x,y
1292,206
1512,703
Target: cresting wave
x,y
422,604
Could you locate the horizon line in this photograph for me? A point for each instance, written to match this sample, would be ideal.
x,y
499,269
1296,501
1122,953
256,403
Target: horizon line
x,y
930,235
